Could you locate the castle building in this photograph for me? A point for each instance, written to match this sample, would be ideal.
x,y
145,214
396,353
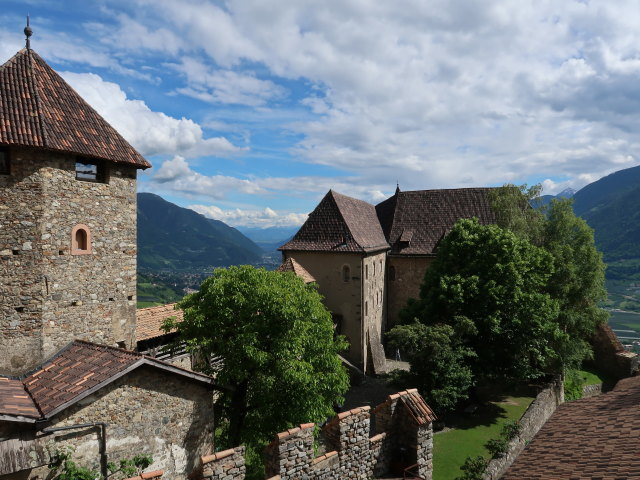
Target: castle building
x,y
68,375
67,219
369,260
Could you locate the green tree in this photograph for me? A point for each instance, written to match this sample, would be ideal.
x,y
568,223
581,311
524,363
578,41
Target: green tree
x,y
578,282
496,281
439,362
276,344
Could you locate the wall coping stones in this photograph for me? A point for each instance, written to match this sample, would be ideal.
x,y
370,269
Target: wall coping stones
x,y
217,456
326,456
148,475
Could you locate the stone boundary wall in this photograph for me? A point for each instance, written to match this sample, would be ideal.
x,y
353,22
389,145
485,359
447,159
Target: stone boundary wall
x,y
610,356
533,419
407,439
591,390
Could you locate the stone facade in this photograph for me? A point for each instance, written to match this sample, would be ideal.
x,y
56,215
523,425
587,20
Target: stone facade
x,y
49,295
354,454
146,411
352,285
405,275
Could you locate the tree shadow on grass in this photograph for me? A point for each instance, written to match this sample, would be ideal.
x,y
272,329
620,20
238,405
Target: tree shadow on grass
x,y
486,415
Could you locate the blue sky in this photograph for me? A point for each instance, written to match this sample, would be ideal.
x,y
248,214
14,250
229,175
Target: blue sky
x,y
250,110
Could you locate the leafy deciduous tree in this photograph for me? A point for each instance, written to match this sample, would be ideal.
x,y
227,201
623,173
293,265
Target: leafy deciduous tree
x,y
277,345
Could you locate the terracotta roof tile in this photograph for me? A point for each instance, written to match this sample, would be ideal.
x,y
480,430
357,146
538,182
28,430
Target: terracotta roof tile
x,y
595,437
14,399
149,320
39,109
340,224
290,265
415,222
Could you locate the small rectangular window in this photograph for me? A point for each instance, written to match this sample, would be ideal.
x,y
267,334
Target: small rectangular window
x,y
4,162
90,171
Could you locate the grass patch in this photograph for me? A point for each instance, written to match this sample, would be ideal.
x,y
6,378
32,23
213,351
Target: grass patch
x,y
470,432
591,377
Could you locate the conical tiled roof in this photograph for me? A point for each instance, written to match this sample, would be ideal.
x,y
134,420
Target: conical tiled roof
x,y
39,109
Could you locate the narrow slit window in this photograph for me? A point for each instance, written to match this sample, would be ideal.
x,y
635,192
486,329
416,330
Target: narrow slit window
x,y
346,273
4,162
80,240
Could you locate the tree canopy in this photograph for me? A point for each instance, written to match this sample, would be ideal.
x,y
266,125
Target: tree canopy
x,y
496,281
276,342
526,291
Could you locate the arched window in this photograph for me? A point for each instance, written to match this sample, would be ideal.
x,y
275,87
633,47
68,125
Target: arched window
x,y
80,240
346,273
366,272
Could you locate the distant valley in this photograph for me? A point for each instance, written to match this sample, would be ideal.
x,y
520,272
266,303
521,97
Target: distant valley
x,y
178,248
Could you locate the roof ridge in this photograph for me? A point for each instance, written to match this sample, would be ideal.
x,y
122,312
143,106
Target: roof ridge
x,y
31,79
344,221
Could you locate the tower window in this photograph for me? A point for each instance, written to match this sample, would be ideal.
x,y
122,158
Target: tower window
x,y
80,240
4,161
91,170
346,273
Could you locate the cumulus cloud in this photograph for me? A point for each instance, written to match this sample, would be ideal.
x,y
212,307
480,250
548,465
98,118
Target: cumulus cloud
x,y
455,94
251,218
177,175
151,133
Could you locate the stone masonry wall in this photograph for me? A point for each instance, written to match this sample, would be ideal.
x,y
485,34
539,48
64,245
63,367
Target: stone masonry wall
x,y
404,283
533,419
353,453
147,411
48,295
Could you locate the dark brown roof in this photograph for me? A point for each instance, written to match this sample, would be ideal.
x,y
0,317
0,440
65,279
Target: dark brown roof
x,y
149,320
414,405
78,370
340,224
39,109
14,400
596,437
290,265
415,222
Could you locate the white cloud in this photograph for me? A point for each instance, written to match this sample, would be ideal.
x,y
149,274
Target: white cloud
x,y
177,175
251,218
445,94
225,86
151,133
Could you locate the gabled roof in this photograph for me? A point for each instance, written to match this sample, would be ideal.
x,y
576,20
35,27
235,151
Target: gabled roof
x,y
340,224
595,437
78,370
39,109
290,265
414,222
14,399
149,320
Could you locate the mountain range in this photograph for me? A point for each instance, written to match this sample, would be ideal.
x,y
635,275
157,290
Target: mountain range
x,y
173,238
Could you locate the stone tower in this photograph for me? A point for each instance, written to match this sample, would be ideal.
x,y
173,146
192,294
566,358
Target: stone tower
x,y
67,219
342,246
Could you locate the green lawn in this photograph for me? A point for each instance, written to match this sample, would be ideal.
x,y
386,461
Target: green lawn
x,y
470,432
591,377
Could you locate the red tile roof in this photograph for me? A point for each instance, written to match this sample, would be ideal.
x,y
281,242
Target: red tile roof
x,y
290,265
596,437
39,109
340,224
76,371
415,222
149,320
14,399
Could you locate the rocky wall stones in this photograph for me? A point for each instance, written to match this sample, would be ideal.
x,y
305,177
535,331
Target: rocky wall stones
x,y
146,411
355,454
49,296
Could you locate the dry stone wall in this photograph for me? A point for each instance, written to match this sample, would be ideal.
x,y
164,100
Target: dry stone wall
x,y
146,411
533,419
353,453
49,296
